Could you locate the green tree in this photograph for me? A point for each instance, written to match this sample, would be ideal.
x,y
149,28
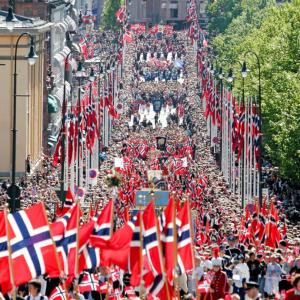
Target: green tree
x,y
273,32
108,18
221,13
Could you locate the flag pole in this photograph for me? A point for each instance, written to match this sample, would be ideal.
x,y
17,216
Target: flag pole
x,y
10,262
160,256
175,248
77,249
111,219
56,254
141,255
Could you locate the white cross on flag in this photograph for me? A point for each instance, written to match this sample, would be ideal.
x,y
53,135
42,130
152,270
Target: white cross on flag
x,y
32,248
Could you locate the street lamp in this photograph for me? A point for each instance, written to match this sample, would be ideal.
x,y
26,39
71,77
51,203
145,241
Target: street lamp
x,y
92,75
220,74
244,70
91,79
230,76
260,120
31,57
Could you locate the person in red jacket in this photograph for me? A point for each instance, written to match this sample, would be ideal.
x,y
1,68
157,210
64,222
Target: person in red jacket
x,y
294,293
219,284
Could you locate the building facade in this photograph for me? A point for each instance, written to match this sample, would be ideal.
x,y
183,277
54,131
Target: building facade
x,y
30,92
155,11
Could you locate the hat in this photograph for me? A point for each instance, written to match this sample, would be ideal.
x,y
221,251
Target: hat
x,y
36,283
251,285
216,262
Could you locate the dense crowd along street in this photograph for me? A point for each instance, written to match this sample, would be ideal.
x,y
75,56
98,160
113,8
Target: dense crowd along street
x,y
153,189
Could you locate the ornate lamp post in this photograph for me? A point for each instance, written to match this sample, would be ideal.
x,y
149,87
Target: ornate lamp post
x,y
14,191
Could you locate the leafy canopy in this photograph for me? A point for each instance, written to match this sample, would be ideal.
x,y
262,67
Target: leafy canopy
x,y
273,33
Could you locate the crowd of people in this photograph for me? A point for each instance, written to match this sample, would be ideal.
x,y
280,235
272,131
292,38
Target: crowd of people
x,y
228,263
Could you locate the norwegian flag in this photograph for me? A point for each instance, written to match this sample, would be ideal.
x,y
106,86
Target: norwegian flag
x,y
104,225
69,201
154,30
58,293
71,133
84,48
242,118
117,248
138,28
89,283
167,222
185,244
168,30
143,150
120,14
180,166
234,126
128,37
103,288
130,292
272,234
32,248
113,112
155,282
103,228
156,287
192,31
5,284
151,240
66,242
57,152
80,128
256,134
134,260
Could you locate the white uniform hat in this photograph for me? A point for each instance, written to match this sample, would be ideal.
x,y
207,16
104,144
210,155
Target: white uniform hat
x,y
216,262
208,264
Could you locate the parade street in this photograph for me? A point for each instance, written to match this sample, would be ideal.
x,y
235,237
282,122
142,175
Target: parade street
x,y
150,150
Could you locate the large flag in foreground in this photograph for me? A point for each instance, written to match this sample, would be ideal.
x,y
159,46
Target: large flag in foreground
x,y
5,284
185,244
32,250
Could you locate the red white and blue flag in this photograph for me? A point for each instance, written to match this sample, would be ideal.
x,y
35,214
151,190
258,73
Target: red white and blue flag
x,y
69,201
185,244
168,219
5,284
151,240
32,248
103,229
89,283
58,293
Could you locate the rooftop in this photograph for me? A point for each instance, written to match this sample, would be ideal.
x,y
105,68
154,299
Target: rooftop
x,y
31,24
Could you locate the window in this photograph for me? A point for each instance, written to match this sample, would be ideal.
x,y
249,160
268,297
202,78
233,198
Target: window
x,y
173,6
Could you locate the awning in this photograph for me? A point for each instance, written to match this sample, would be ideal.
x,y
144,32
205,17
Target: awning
x,y
52,104
71,23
